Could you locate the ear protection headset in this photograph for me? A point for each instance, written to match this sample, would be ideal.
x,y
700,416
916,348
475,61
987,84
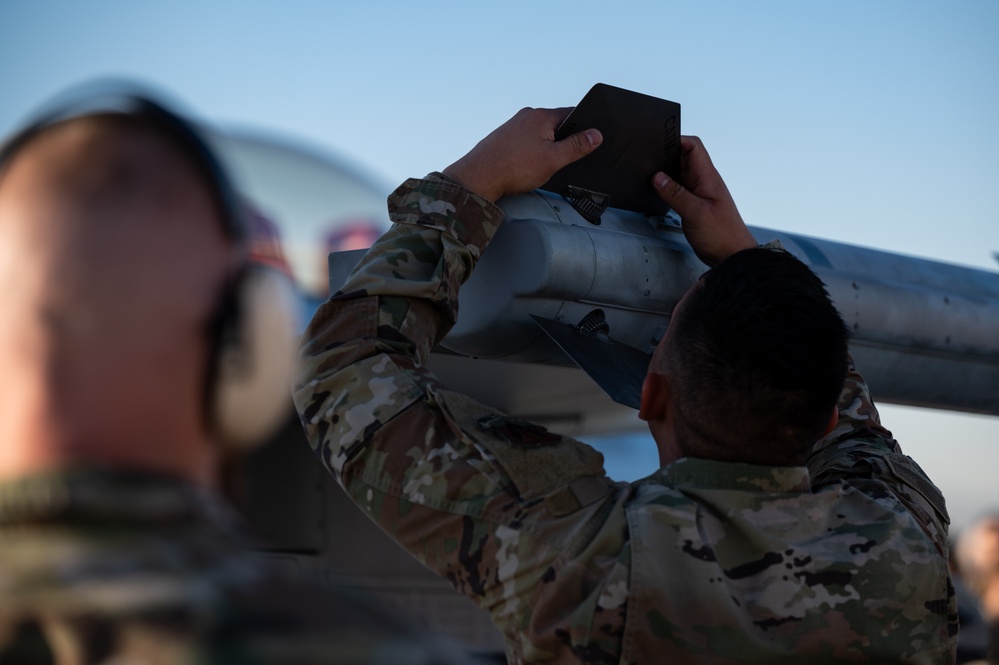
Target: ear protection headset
x,y
252,330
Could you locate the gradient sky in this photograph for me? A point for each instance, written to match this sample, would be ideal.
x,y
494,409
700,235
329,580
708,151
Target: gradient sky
x,y
868,123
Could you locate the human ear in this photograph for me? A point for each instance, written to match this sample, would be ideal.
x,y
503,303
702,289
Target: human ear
x,y
833,421
655,399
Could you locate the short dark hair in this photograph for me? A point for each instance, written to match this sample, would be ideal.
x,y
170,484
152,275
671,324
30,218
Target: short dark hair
x,y
757,356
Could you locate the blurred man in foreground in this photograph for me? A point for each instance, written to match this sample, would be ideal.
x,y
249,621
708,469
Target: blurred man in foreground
x,y
752,543
138,348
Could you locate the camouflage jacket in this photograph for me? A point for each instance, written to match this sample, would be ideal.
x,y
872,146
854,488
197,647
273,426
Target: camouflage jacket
x,y
107,567
703,561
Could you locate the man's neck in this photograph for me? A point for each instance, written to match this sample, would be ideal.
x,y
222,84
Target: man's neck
x,y
31,443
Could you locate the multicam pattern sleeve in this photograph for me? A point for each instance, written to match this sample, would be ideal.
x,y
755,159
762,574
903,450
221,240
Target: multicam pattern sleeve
x,y
858,416
860,450
499,506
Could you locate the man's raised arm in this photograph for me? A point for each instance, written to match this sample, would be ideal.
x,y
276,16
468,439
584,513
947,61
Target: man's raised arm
x,y
402,298
452,481
715,230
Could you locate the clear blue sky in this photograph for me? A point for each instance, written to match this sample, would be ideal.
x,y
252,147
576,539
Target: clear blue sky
x,y
869,123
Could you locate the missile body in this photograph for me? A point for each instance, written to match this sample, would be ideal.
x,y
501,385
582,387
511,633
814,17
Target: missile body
x,y
924,333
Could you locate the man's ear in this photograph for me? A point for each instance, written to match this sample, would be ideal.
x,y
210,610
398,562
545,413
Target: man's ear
x,y
656,397
833,421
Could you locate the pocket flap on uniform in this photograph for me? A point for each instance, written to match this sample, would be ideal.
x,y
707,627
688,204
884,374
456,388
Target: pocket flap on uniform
x,y
537,462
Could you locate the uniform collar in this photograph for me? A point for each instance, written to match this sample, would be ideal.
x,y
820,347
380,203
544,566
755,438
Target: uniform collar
x,y
695,472
94,494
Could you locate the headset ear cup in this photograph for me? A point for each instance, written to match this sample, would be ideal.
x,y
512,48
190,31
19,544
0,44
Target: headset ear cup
x,y
252,392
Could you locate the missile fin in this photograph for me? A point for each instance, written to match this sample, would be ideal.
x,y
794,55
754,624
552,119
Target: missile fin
x,y
617,368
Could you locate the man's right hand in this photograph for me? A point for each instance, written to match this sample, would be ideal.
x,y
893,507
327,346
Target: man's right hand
x,y
711,222
522,154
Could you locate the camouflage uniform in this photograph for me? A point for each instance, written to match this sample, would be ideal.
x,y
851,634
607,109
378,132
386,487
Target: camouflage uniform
x,y
703,561
99,566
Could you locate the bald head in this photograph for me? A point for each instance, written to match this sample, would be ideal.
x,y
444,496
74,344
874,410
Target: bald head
x,y
112,260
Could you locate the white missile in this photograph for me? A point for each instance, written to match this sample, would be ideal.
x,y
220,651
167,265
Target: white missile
x,y
555,289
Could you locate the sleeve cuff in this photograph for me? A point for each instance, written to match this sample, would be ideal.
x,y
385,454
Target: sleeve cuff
x,y
774,245
441,203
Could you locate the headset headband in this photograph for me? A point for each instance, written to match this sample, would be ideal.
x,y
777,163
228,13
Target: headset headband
x,y
128,100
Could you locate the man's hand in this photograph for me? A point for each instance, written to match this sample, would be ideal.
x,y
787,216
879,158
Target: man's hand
x,y
522,154
711,222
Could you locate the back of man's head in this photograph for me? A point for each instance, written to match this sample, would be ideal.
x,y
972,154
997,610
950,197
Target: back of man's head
x,y
112,261
756,356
